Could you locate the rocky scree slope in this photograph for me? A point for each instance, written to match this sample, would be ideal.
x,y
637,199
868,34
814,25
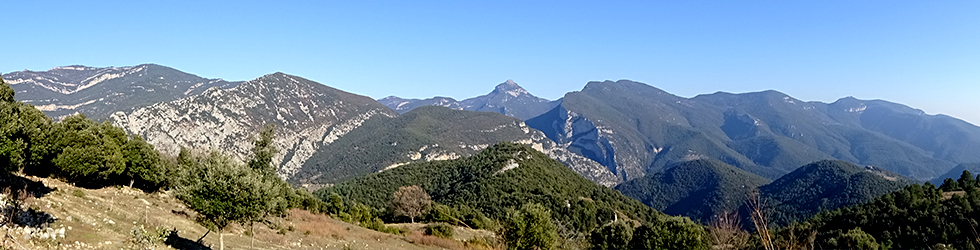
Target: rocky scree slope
x,y
99,92
307,115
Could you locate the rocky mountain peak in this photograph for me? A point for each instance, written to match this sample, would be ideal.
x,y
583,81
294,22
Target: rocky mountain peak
x,y
509,88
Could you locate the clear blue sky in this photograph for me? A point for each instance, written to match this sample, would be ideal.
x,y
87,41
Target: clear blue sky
x,y
922,53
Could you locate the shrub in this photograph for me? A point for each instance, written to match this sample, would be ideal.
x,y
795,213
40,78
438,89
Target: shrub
x,y
441,230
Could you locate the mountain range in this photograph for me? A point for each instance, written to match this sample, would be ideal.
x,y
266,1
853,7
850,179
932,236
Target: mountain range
x,y
309,117
507,98
635,129
670,152
99,92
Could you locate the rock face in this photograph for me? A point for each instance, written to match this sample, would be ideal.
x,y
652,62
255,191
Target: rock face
x,y
507,98
99,92
307,115
634,129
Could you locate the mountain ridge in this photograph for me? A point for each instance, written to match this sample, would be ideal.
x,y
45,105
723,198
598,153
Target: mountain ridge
x,y
98,92
635,129
307,116
507,98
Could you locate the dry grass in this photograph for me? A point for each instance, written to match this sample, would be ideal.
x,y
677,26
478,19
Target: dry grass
x,y
949,195
104,219
429,240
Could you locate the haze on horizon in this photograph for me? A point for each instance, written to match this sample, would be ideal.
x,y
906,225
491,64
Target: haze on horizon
x,y
922,54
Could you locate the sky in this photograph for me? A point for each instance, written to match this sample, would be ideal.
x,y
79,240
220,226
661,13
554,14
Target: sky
x,y
925,54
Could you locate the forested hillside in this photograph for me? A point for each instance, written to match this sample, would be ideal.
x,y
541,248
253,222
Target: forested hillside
x,y
700,189
915,217
508,176
826,185
427,134
635,129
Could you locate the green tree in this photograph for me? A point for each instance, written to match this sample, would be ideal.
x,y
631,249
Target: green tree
x,y
670,233
223,192
143,163
263,151
530,227
335,204
90,153
853,239
6,92
22,129
966,180
615,235
950,185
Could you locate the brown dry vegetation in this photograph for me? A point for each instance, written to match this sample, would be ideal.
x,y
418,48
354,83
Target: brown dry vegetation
x,y
105,219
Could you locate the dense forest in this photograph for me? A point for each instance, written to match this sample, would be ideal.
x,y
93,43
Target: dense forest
x,y
915,217
700,189
504,179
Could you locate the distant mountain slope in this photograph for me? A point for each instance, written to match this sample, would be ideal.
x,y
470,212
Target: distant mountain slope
x,y
507,98
635,129
503,176
308,116
700,189
826,185
956,172
401,105
98,92
431,133
940,136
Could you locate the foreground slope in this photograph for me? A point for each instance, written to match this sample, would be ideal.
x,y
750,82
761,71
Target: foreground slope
x,y
826,185
99,92
700,189
307,115
503,176
107,219
507,98
427,134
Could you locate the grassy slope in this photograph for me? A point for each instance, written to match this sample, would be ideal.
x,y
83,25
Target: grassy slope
x,y
104,219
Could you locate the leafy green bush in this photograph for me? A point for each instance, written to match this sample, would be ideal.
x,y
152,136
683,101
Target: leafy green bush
x,y
530,227
615,235
853,239
441,230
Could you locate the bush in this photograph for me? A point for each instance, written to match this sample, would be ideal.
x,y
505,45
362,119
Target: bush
x,y
441,230
530,227
853,239
615,235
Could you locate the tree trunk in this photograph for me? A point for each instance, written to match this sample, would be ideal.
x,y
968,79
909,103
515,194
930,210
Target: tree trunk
x,y
202,236
131,181
413,219
221,239
251,227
